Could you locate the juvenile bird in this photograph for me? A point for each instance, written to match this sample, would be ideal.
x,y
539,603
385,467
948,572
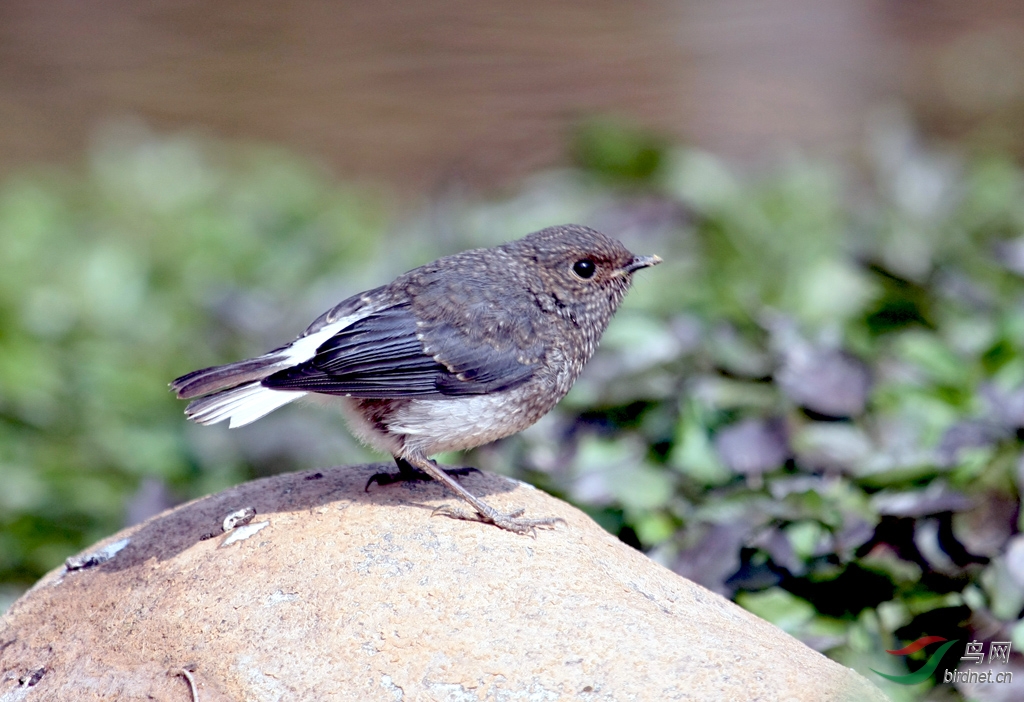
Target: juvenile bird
x,y
454,354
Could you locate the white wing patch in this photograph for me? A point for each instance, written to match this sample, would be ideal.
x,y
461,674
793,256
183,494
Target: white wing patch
x,y
304,348
247,403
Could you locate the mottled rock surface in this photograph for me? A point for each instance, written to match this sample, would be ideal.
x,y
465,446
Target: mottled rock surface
x,y
331,593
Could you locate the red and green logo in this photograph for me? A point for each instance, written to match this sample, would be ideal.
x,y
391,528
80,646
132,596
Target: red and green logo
x,y
925,671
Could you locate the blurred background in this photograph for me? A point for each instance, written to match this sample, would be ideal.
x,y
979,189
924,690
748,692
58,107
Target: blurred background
x,y
814,407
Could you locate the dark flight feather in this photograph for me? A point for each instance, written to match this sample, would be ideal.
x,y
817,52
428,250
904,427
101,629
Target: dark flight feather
x,y
382,356
207,380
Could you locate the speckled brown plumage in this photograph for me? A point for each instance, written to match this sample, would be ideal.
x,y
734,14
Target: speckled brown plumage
x,y
454,354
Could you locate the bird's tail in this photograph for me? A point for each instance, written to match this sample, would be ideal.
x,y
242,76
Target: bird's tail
x,y
233,392
207,380
241,405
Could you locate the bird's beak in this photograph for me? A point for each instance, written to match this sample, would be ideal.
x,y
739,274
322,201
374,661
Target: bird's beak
x,y
639,262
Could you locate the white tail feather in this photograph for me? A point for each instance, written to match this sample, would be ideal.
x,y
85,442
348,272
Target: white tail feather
x,y
241,405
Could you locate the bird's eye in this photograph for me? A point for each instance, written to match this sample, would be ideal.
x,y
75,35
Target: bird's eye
x,y
584,268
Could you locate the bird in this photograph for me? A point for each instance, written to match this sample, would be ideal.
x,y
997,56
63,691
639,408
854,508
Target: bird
x,y
457,353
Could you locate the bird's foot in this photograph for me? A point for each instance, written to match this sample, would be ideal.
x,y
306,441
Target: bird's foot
x,y
511,521
410,474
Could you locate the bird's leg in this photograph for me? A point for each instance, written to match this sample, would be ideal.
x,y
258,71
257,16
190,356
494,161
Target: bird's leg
x,y
511,521
409,473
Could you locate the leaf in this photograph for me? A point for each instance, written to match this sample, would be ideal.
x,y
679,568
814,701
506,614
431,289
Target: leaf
x,y
783,609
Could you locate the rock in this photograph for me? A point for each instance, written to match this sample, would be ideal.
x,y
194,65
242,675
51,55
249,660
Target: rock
x,y
330,592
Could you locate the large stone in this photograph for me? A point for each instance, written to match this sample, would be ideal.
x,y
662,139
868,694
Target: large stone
x,y
333,593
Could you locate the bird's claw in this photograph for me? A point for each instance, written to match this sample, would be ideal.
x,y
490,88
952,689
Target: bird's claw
x,y
510,521
408,476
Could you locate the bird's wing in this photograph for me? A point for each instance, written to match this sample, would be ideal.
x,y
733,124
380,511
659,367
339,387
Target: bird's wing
x,y
387,355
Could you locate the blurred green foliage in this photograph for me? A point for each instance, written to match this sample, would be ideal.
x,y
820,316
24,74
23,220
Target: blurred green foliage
x,y
616,152
814,406
114,283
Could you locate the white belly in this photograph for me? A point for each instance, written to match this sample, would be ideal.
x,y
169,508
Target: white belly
x,y
433,426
